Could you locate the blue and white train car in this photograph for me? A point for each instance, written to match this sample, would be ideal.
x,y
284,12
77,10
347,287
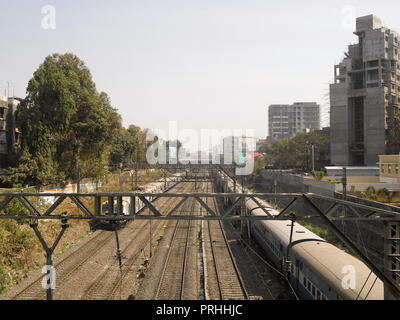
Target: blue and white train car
x,y
320,270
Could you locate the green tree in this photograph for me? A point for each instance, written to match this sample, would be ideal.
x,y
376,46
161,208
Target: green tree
x,y
64,121
129,147
297,152
282,154
394,136
303,144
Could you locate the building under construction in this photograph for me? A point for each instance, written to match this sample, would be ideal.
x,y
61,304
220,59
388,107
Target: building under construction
x,y
365,96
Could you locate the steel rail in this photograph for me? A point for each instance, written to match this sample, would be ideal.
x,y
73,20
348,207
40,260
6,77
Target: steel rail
x,y
214,260
232,259
65,261
185,254
167,260
89,291
132,260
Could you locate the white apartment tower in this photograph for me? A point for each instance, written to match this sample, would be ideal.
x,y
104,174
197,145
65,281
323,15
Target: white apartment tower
x,y
285,121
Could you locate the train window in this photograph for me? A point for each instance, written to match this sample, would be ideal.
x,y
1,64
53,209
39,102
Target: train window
x,y
313,291
305,281
309,285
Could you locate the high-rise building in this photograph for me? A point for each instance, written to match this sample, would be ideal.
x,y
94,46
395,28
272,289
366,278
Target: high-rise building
x,y
365,95
285,121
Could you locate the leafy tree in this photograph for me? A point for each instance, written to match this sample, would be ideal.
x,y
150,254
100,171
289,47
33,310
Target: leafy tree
x,y
64,122
303,143
297,152
282,153
129,147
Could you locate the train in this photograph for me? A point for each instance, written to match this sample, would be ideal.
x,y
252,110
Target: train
x,y
318,269
154,187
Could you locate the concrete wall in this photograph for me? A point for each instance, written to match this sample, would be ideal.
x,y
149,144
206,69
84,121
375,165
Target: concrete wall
x,y
290,183
364,186
368,22
339,139
374,129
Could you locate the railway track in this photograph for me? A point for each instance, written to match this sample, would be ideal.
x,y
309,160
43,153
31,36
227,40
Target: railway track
x,y
172,281
110,281
66,267
225,270
70,264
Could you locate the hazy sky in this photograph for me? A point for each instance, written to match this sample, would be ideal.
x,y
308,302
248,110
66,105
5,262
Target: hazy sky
x,y
206,64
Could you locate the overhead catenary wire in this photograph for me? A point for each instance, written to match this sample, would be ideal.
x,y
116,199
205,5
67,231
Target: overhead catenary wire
x,y
270,266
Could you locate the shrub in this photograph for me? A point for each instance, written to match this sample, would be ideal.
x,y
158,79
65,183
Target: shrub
x,y
318,175
383,192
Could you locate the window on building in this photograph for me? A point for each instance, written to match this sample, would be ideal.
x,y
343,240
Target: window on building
x,y
383,168
397,169
373,64
389,168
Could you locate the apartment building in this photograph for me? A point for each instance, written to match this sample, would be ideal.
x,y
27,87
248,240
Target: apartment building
x,y
10,137
285,121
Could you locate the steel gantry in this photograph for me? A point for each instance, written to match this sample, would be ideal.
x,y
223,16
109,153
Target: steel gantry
x,y
235,210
